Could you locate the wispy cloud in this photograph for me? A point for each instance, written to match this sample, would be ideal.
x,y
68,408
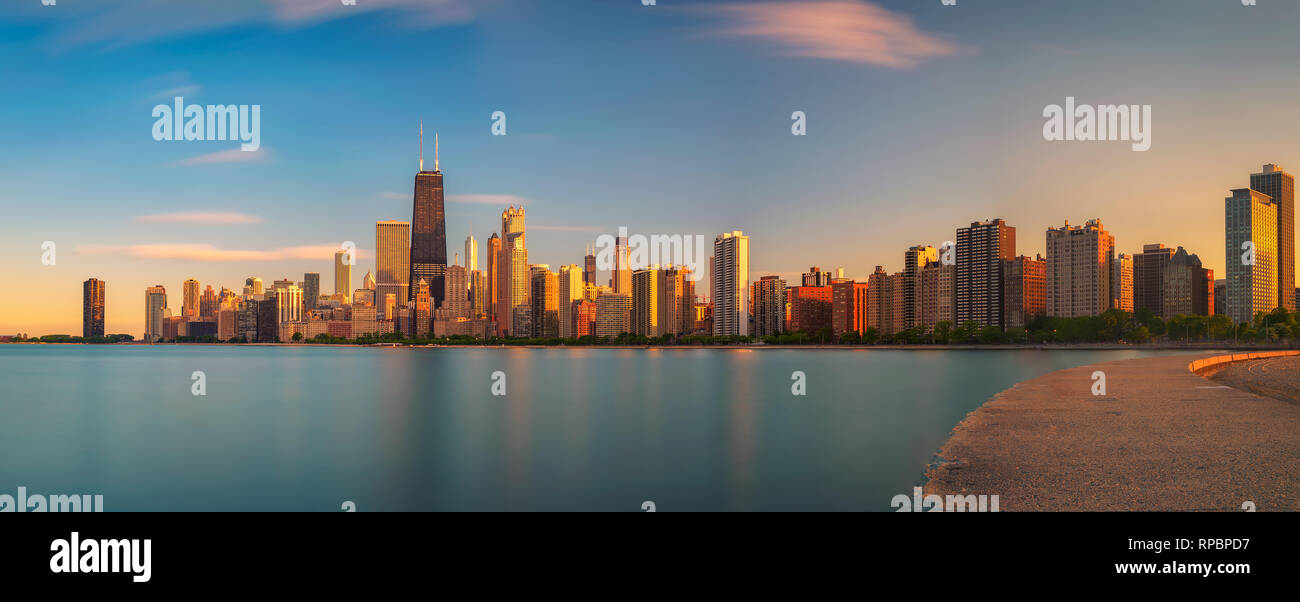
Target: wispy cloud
x,y
857,32
233,155
197,217
115,24
207,252
488,199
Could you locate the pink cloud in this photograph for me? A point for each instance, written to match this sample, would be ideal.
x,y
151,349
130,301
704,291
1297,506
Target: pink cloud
x,y
196,217
233,155
857,32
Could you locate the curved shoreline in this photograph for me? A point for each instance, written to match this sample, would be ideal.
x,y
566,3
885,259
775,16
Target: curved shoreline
x,y
1161,438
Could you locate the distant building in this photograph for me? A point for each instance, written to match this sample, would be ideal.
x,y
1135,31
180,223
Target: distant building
x,y
268,320
1251,235
392,262
647,307
1121,283
190,298
92,308
583,316
343,273
1026,289
1189,288
545,303
936,295
1280,187
731,284
227,324
768,298
570,289
491,278
456,297
613,314
849,306
880,307
155,309
981,249
1149,277
289,301
1079,260
810,308
208,303
914,260
816,277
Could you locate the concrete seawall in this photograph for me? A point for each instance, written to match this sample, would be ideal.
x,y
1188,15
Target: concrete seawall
x,y
1161,437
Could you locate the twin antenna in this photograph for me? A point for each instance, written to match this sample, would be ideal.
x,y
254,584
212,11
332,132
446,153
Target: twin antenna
x,y
435,148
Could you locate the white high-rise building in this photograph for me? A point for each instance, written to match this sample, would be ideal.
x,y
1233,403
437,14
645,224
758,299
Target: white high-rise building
x,y
570,290
155,308
731,284
1251,235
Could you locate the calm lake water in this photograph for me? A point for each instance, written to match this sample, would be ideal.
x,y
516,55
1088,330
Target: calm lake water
x,y
308,428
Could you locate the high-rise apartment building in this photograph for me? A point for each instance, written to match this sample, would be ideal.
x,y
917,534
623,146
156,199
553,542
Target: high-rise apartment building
x,y
392,262
1121,283
1280,187
1025,279
849,306
155,310
493,260
981,249
914,260
512,304
810,308
190,298
936,295
589,267
1250,227
767,298
311,289
545,302
471,253
288,300
208,303
731,284
456,297
1149,277
1079,260
816,277
92,308
613,314
569,290
1189,288
646,307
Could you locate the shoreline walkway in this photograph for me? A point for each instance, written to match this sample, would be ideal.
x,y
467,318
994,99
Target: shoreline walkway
x,y
1161,438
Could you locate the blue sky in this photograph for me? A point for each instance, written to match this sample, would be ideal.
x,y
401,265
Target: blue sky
x,y
672,118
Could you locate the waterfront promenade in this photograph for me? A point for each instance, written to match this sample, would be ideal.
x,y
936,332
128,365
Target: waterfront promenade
x,y
1161,438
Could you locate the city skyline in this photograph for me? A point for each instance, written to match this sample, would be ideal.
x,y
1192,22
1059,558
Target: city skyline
x,y
143,212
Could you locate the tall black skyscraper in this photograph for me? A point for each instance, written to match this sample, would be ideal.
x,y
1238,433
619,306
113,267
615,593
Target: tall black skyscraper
x,y
1280,185
428,230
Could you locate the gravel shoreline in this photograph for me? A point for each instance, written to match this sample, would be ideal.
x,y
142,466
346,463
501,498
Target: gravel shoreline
x,y
1160,439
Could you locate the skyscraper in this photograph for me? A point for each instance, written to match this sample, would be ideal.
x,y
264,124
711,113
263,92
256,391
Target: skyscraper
x,y
1189,288
589,267
456,297
646,307
1121,283
621,278
190,298
155,309
493,260
310,289
1079,260
1250,217
816,277
545,302
1149,277
570,290
392,267
92,308
471,253
849,303
208,303
428,227
936,295
731,284
343,273
512,275
253,286
613,314
1280,187
914,260
288,300
981,249
1025,281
